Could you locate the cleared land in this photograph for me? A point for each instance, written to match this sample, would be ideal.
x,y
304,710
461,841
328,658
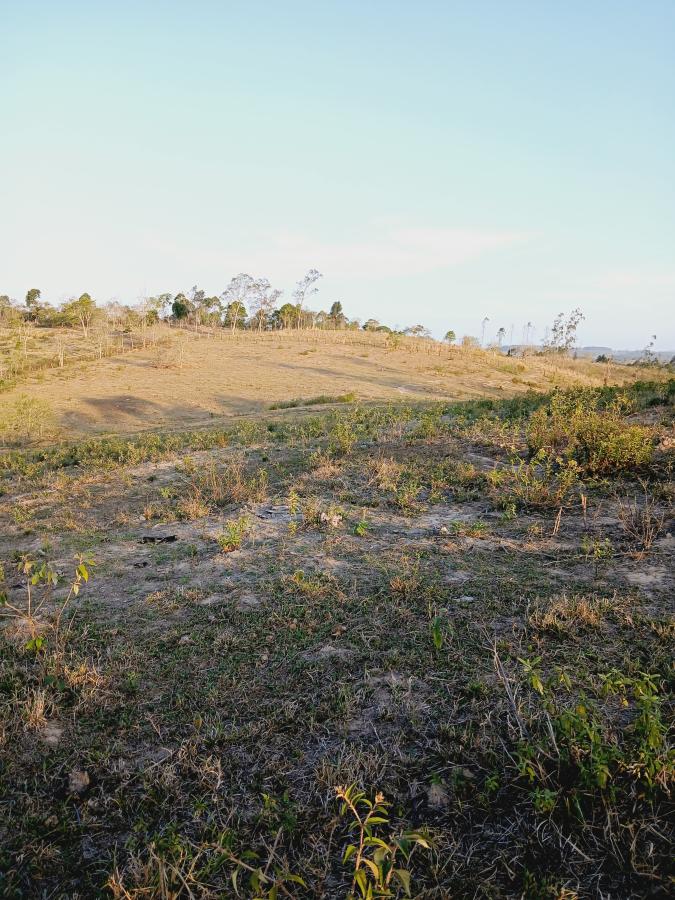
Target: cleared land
x,y
193,379
466,607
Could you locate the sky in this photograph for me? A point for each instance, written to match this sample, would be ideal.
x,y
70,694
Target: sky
x,y
438,162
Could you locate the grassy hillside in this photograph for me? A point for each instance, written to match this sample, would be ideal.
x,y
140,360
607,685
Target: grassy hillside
x,y
180,378
458,612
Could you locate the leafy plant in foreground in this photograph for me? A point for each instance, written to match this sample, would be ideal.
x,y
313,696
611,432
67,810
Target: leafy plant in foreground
x,y
375,861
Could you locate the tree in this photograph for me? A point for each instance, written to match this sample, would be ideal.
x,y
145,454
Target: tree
x,y
6,308
148,310
236,295
115,313
32,297
81,311
650,358
450,337
469,342
371,325
305,289
235,315
33,304
287,315
180,308
202,308
418,331
501,334
164,303
564,332
482,333
336,316
265,298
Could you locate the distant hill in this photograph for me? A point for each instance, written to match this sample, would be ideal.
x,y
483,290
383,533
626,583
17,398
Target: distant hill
x,y
591,352
623,355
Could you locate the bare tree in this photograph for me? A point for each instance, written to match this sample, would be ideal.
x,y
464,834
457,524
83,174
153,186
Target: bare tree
x,y
482,333
564,331
264,301
305,289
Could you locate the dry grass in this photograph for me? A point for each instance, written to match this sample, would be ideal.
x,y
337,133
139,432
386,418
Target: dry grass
x,y
573,613
220,375
642,522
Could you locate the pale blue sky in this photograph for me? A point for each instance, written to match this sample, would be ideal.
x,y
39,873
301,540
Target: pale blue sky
x,y
438,161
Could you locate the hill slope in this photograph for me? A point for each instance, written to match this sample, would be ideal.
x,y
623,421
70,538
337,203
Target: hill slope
x,y
191,379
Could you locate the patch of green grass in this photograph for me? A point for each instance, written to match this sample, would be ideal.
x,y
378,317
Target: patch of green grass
x,y
314,401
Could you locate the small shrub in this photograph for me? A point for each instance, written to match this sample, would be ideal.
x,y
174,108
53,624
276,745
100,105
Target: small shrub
x,y
375,862
232,537
575,426
544,481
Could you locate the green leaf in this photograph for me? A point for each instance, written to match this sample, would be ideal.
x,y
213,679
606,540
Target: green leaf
x,y
380,855
404,877
418,838
535,681
378,842
349,852
361,881
373,868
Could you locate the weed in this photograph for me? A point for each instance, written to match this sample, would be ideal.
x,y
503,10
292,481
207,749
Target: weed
x,y
598,550
362,526
317,514
475,529
232,484
441,631
231,538
40,581
641,522
25,419
542,482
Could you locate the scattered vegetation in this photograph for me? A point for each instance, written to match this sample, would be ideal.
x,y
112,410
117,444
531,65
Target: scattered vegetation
x,y
460,607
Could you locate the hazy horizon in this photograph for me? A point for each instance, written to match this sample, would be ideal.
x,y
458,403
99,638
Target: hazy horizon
x,y
438,163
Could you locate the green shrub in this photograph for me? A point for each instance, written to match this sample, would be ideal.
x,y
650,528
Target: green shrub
x,y
544,481
573,425
25,419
